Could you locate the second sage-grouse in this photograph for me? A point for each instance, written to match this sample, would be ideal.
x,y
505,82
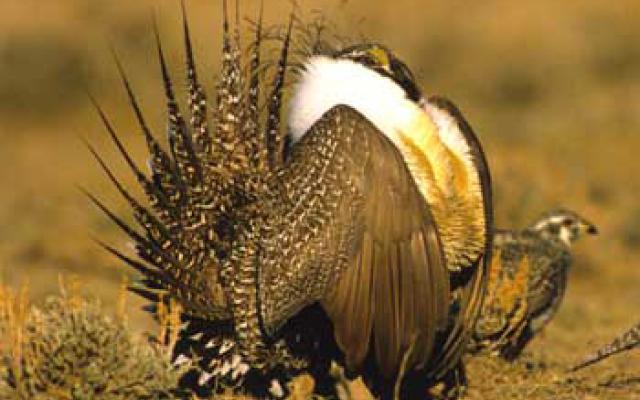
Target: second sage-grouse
x,y
627,341
527,280
363,225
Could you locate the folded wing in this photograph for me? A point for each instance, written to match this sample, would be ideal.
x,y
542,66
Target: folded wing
x,y
348,227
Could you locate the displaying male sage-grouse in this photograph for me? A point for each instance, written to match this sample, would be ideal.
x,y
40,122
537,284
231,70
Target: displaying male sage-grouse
x,y
627,341
527,280
364,226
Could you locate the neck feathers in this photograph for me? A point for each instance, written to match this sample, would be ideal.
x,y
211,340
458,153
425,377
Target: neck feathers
x,y
453,189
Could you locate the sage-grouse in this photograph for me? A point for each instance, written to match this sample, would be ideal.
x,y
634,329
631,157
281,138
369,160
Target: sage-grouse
x,y
527,280
627,341
363,226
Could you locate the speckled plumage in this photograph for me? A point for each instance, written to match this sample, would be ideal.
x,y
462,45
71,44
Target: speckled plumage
x,y
218,162
628,340
348,245
527,281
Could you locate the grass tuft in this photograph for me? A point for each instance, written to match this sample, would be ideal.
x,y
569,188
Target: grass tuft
x,y
71,349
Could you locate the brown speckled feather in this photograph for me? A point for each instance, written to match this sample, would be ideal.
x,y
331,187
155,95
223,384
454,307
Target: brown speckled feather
x,y
348,226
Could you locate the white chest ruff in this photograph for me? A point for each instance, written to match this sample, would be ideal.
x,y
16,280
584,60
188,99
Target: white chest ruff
x,y
327,82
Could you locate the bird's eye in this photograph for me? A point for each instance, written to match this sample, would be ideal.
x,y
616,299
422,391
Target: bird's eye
x,y
365,60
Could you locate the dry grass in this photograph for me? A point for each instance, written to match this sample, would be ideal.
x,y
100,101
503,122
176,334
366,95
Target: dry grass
x,y
551,88
71,347
531,379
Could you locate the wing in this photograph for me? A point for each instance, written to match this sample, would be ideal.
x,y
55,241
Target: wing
x,y
469,286
349,228
547,285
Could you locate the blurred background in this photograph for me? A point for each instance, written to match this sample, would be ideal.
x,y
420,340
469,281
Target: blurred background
x,y
551,88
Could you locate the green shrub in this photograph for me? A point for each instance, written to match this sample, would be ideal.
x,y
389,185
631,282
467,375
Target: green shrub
x,y
70,349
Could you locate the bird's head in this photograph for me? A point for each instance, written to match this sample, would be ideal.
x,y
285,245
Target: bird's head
x,y
381,60
564,225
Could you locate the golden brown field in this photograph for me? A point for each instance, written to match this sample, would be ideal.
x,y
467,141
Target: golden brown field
x,y
551,88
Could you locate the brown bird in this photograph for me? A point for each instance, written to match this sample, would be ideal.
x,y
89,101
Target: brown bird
x,y
627,341
372,210
527,281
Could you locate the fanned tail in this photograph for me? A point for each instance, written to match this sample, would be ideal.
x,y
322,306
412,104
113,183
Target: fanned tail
x,y
212,169
179,240
172,266
199,189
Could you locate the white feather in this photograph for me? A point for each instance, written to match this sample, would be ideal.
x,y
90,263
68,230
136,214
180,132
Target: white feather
x,y
449,132
565,235
181,360
326,82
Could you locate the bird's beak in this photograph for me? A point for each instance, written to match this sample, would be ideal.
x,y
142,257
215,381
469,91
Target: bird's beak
x,y
591,229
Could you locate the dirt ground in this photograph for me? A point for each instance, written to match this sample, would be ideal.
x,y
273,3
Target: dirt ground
x,y
552,89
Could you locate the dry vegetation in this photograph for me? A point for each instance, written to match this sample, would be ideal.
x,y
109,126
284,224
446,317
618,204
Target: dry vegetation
x,y
552,89
69,348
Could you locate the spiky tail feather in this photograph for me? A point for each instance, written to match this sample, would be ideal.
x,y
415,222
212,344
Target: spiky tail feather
x,y
275,138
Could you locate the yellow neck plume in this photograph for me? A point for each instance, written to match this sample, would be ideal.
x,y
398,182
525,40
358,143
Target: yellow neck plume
x,y
445,174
